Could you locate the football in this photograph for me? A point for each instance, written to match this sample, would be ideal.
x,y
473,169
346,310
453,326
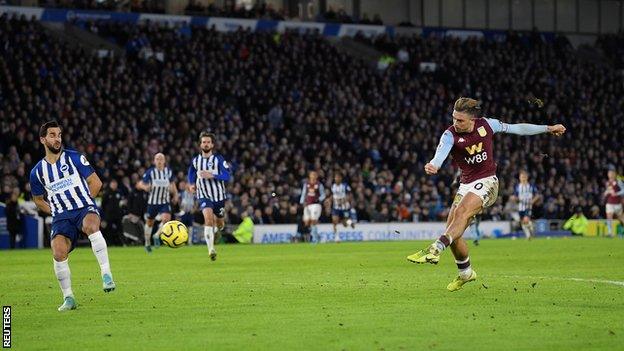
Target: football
x,y
174,234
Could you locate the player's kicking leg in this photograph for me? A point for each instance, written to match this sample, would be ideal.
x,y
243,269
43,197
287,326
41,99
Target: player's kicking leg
x,y
61,246
91,226
458,221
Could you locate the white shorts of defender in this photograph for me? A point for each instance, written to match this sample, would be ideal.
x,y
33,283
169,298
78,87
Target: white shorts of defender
x,y
485,188
616,209
312,212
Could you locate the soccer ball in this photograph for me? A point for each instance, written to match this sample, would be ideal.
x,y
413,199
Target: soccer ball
x,y
174,234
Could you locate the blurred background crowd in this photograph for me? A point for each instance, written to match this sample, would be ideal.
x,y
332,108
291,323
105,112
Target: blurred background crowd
x,y
284,104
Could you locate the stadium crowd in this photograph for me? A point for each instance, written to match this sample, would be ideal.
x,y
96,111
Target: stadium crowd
x,y
259,10
283,104
147,6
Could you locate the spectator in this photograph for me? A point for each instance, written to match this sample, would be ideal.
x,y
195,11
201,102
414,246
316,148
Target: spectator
x,y
577,224
13,218
111,213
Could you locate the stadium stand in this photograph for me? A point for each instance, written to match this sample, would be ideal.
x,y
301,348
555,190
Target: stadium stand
x,y
308,106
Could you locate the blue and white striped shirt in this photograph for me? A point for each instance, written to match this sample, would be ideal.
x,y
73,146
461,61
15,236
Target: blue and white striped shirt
x,y
64,181
213,189
525,194
339,196
160,180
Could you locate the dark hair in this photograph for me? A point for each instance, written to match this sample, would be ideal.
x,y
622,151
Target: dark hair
x,y
468,105
43,131
205,134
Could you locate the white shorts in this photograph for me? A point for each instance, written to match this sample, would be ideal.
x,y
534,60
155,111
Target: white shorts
x,y
485,188
312,212
614,208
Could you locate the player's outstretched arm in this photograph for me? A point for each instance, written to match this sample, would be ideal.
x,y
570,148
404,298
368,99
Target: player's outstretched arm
x,y
525,128
442,152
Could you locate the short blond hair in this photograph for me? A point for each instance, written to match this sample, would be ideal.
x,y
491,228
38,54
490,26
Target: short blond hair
x,y
468,105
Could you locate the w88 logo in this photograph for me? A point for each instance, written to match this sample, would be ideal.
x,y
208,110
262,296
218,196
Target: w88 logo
x,y
478,158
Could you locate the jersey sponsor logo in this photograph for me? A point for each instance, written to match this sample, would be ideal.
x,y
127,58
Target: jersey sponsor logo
x,y
472,149
84,161
160,182
61,185
482,132
478,158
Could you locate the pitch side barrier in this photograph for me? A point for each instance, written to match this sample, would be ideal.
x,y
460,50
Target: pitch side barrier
x,y
31,231
284,233
233,24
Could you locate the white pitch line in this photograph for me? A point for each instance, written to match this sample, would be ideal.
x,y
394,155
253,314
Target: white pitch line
x,y
591,280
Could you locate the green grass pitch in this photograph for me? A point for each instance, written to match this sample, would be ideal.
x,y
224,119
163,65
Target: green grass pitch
x,y
559,294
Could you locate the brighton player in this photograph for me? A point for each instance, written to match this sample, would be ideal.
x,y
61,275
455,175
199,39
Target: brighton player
x,y
207,176
312,194
341,205
613,196
470,142
526,195
70,183
159,182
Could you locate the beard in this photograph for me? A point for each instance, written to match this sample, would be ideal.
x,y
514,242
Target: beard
x,y
55,150
206,150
